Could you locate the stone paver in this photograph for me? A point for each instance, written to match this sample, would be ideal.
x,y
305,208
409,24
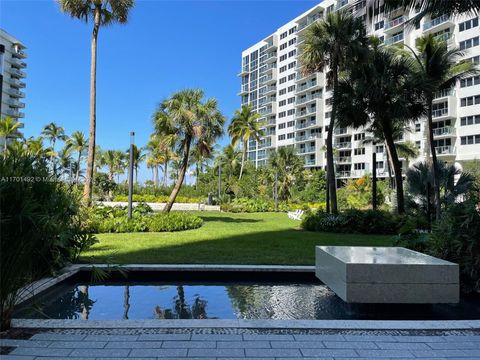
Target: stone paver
x,y
243,344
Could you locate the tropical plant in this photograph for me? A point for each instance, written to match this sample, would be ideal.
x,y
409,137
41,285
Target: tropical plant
x,y
9,129
383,95
78,143
138,158
102,13
245,126
438,69
229,160
34,147
52,133
195,123
335,42
288,167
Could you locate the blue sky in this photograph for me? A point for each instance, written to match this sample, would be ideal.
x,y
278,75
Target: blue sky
x,y
166,46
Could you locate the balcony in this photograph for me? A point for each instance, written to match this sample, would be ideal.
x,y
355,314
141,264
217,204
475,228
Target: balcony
x,y
444,37
341,4
309,21
268,79
307,111
344,160
17,73
394,39
341,131
438,23
343,145
445,150
15,93
307,98
394,24
269,57
17,63
447,131
243,89
268,90
19,54
245,69
308,137
267,110
305,124
309,162
314,83
306,149
444,93
16,83
343,174
268,67
14,113
15,103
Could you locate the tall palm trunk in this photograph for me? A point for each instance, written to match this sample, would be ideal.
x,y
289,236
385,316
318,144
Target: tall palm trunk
x,y
180,178
165,174
77,175
87,191
110,177
398,172
52,159
155,176
136,175
244,155
330,164
390,167
436,186
126,302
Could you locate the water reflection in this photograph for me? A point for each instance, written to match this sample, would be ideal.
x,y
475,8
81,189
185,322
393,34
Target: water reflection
x,y
224,301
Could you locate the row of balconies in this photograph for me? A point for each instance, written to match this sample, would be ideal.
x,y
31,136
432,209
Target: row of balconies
x,y
306,98
305,124
14,113
15,93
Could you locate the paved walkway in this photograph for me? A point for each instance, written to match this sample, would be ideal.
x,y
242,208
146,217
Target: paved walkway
x,y
243,344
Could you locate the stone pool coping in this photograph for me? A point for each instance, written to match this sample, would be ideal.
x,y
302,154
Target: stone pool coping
x,y
44,284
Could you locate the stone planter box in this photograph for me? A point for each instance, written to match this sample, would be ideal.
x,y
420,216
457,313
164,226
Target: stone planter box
x,y
387,275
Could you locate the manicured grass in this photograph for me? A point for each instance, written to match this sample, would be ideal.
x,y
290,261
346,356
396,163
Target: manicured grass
x,y
224,238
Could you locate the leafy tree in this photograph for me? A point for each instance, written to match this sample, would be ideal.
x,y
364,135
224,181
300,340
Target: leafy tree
x,y
438,69
245,126
138,158
229,160
382,94
34,147
78,143
333,43
102,13
288,166
9,129
52,133
195,123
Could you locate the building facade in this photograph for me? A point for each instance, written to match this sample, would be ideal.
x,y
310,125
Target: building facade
x,y
296,109
12,75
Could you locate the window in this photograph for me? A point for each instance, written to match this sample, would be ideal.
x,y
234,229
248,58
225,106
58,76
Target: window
x,y
283,35
282,114
291,100
292,41
418,127
291,112
469,101
290,135
292,30
379,25
470,140
466,25
291,123
292,64
283,46
282,91
329,101
379,149
283,58
292,53
418,144
470,81
328,114
360,151
380,164
281,126
282,103
467,44
281,137
474,60
283,80
358,137
283,68
470,120
291,88
359,166
292,76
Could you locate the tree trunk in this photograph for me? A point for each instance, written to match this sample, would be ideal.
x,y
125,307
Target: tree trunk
x,y
398,172
110,194
180,178
390,167
332,183
244,155
87,191
436,185
165,174
155,176
52,158
77,175
126,302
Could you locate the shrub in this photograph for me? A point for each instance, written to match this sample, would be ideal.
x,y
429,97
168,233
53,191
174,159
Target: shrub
x,y
174,221
42,226
247,205
158,199
351,221
456,238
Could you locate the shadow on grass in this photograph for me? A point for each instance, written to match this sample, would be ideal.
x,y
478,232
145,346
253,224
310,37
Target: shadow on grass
x,y
283,247
226,219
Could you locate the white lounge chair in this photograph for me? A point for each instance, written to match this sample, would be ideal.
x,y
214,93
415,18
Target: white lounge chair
x,y
295,215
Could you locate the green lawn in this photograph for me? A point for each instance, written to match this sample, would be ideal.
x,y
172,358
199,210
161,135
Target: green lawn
x,y
224,238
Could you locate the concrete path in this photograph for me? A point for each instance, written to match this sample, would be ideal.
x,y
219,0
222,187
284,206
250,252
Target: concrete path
x,y
243,344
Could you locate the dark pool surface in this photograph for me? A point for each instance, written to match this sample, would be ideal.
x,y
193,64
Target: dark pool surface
x,y
223,300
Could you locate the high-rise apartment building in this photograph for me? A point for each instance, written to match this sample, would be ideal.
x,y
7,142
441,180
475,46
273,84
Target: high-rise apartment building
x,y
296,109
12,65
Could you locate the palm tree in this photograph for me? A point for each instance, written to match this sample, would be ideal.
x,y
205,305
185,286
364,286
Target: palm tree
x,y
439,69
65,160
407,150
34,147
195,124
102,13
78,143
383,95
288,166
229,160
245,126
334,42
9,129
138,158
52,132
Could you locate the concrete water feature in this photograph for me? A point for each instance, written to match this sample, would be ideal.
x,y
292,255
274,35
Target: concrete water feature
x,y
387,275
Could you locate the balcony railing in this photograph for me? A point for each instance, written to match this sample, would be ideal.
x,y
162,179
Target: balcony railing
x,y
266,110
307,137
439,112
394,39
303,125
340,131
343,173
307,86
343,145
304,99
268,56
344,159
341,4
310,20
306,149
435,22
444,131
265,68
445,150
309,162
18,73
244,88
15,93
443,37
395,22
265,79
444,93
308,111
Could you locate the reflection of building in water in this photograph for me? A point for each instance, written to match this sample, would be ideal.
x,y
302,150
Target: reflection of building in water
x,y
181,309
281,301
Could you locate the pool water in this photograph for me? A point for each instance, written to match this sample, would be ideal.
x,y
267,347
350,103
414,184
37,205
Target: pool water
x,y
239,300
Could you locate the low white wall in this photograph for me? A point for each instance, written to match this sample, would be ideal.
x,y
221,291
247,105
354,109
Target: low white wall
x,y
160,206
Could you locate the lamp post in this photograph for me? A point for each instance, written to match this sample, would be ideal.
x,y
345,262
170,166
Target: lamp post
x,y
130,176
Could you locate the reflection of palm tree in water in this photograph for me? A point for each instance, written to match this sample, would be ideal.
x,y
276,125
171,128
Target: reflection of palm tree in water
x,y
181,309
85,302
126,302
